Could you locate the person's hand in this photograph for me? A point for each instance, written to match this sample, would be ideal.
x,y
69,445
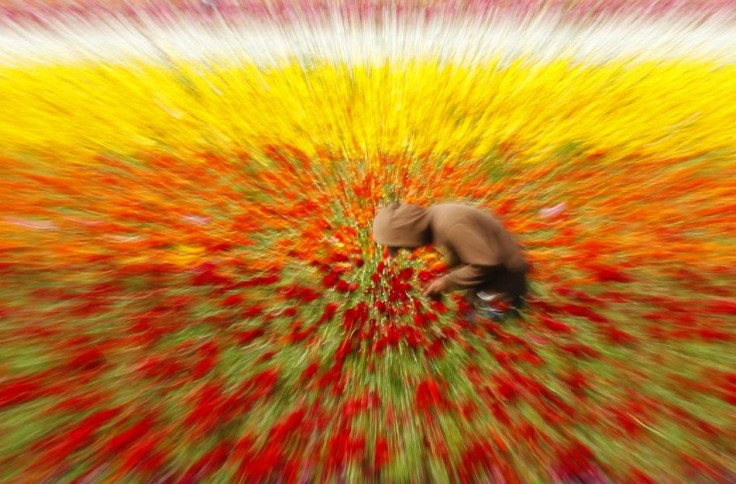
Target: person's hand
x,y
437,287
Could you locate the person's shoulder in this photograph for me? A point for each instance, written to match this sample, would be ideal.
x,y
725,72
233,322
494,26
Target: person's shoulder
x,y
452,206
449,214
456,208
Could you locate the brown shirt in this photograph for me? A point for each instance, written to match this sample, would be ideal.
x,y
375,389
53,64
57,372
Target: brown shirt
x,y
475,242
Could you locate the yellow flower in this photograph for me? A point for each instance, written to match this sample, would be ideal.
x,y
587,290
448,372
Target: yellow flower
x,y
546,111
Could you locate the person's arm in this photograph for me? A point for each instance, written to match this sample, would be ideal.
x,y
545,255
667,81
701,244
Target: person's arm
x,y
473,258
466,275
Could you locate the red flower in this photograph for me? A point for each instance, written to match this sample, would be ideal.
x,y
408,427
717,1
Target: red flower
x,y
507,389
419,319
626,422
220,247
436,349
711,334
310,371
344,350
337,257
178,302
252,311
287,425
356,405
209,463
144,456
204,366
90,308
406,274
722,307
121,441
582,297
330,280
429,396
576,382
531,357
20,391
730,397
707,430
343,286
556,326
639,477
426,276
380,306
438,307
381,452
233,300
208,277
463,306
575,462
616,296
582,311
478,456
88,359
579,350
659,317
266,356
342,448
265,381
248,336
300,293
79,436
414,337
616,336
504,359
79,403
329,313
158,367
528,433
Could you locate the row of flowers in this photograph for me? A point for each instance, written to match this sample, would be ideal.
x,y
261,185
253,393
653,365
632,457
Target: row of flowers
x,y
577,10
168,319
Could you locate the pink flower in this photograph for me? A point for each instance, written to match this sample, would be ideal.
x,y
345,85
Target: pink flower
x,y
31,224
553,211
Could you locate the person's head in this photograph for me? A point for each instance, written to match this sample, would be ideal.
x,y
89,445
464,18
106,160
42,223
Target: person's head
x,y
402,226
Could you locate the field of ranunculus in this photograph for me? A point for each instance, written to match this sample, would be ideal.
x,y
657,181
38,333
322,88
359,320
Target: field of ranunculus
x,y
189,291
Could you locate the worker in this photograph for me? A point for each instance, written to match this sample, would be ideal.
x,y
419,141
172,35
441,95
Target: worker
x,y
483,257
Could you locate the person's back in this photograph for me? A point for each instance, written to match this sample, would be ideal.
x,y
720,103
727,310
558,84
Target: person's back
x,y
496,247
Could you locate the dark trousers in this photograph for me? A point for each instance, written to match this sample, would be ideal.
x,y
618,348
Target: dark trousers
x,y
500,280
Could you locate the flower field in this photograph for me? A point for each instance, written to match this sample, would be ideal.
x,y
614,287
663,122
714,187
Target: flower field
x,y
189,291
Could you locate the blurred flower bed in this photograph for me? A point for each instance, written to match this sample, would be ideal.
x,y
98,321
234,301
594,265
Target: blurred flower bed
x,y
189,291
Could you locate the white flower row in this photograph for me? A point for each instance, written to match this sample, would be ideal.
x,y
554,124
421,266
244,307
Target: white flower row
x,y
460,39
